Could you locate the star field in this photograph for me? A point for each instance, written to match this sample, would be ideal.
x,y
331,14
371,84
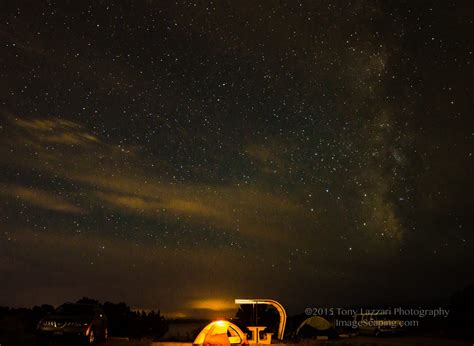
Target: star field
x,y
291,149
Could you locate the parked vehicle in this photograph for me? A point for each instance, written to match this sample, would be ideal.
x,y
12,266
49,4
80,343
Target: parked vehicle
x,y
84,322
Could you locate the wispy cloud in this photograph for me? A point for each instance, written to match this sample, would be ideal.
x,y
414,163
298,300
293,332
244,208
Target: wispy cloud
x,y
111,176
115,177
41,198
57,131
248,211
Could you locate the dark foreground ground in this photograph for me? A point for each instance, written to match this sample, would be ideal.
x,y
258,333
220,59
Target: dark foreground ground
x,y
354,341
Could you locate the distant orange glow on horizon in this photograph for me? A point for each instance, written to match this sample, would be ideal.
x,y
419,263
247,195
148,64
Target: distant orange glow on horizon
x,y
208,308
213,304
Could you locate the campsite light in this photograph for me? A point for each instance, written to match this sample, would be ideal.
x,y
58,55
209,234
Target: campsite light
x,y
221,323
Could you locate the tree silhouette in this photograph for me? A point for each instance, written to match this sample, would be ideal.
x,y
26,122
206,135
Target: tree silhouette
x,y
86,300
461,315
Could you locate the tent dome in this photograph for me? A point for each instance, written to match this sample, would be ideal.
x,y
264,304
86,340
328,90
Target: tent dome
x,y
315,326
220,333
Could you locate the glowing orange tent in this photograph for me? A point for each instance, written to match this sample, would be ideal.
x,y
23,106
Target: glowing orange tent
x,y
220,333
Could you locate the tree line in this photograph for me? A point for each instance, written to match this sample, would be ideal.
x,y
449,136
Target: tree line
x,y
122,320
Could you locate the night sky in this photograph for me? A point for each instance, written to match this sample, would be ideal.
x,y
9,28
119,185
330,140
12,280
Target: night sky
x,y
178,155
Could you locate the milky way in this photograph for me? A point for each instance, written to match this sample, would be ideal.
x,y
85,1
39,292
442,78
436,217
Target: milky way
x,y
178,155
